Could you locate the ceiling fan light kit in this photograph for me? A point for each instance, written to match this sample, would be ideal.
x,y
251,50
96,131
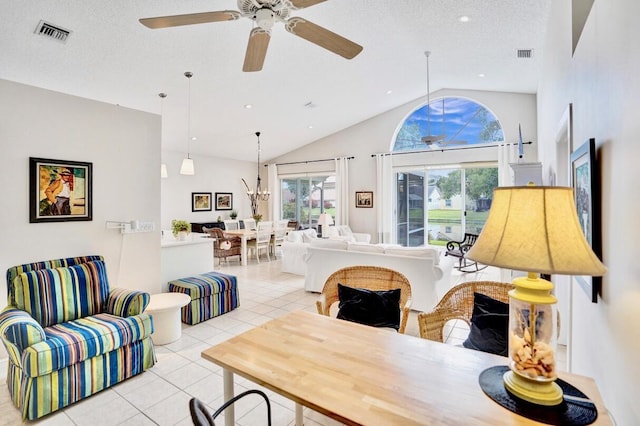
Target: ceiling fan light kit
x,y
265,13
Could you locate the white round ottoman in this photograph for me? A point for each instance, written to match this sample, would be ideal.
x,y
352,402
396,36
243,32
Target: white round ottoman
x,y
165,310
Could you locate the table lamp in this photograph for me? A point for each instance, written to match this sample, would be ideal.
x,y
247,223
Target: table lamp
x,y
534,229
324,220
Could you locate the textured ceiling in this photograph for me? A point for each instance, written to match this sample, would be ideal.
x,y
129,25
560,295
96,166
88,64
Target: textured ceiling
x,y
112,58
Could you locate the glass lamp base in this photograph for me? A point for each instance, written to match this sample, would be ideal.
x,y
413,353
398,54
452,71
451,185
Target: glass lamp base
x,y
534,391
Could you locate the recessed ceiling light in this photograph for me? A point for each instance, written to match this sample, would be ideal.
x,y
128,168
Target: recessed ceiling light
x,y
481,75
310,126
389,92
463,18
193,138
248,106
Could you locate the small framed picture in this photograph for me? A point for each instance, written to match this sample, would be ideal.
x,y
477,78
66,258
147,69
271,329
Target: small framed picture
x,y
364,199
59,190
200,201
224,201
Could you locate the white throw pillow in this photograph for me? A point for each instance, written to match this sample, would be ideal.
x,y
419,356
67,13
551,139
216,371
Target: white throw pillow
x,y
309,235
345,230
294,237
330,231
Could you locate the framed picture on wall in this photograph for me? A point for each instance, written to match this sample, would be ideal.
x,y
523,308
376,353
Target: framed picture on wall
x,y
200,201
224,201
364,199
59,190
586,186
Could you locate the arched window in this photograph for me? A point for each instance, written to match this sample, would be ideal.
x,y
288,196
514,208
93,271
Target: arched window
x,y
448,122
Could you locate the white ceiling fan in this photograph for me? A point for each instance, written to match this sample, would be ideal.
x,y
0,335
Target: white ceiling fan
x,y
265,13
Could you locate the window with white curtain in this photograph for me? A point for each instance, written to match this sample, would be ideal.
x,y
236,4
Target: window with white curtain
x,y
304,198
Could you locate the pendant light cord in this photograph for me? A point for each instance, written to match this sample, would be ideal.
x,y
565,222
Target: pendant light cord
x,y
189,74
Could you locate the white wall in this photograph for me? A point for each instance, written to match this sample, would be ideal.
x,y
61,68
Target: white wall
x,y
601,81
212,175
377,134
124,147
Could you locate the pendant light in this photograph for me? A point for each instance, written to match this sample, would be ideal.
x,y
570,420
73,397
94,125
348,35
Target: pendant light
x,y
188,167
163,167
258,194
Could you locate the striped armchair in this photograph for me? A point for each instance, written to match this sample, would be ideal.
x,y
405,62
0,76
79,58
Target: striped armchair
x,y
68,335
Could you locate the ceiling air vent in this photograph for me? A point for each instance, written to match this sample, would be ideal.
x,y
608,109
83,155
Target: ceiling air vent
x,y
525,53
52,31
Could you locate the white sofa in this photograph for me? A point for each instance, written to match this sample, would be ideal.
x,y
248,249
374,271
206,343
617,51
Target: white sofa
x,y
294,247
428,274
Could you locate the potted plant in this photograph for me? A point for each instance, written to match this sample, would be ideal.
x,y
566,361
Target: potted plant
x,y
257,217
180,229
233,215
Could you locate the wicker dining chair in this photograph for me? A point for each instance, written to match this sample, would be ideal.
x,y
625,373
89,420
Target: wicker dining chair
x,y
457,303
371,278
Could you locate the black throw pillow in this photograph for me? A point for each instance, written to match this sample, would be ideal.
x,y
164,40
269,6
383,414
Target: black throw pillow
x,y
374,308
489,325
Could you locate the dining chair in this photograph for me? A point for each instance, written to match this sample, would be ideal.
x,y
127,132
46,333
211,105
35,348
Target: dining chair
x,y
279,233
457,303
373,278
231,225
249,223
262,240
224,246
200,415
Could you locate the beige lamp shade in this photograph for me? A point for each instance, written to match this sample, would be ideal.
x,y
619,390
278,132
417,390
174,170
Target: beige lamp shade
x,y
535,228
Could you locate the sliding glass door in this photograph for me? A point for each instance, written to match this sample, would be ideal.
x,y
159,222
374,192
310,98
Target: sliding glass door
x,y
438,205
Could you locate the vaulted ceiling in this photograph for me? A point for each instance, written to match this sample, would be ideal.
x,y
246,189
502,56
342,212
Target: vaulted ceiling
x,y
303,93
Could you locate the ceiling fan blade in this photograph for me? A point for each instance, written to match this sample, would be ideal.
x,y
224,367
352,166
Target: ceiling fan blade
x,y
301,4
189,19
323,37
256,50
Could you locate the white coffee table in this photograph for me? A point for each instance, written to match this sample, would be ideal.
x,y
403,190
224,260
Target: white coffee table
x,y
165,309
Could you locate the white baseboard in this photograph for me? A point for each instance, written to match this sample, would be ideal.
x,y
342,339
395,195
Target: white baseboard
x,y
4,364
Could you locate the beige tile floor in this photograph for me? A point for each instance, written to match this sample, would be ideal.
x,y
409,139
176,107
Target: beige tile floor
x,y
160,396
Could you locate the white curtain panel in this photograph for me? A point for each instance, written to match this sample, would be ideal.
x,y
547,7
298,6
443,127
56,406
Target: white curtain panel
x,y
342,191
384,202
274,187
507,153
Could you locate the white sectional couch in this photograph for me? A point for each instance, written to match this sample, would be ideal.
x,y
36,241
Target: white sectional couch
x,y
294,248
428,274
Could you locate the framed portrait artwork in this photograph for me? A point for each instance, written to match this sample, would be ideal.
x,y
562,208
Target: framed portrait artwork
x,y
364,199
200,201
586,186
59,190
224,201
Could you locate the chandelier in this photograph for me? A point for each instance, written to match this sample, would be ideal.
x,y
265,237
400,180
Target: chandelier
x,y
258,194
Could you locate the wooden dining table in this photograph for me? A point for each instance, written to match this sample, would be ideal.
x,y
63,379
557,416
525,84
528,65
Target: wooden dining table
x,y
361,375
245,235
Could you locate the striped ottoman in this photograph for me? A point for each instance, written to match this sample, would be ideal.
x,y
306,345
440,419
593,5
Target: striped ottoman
x,y
212,294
